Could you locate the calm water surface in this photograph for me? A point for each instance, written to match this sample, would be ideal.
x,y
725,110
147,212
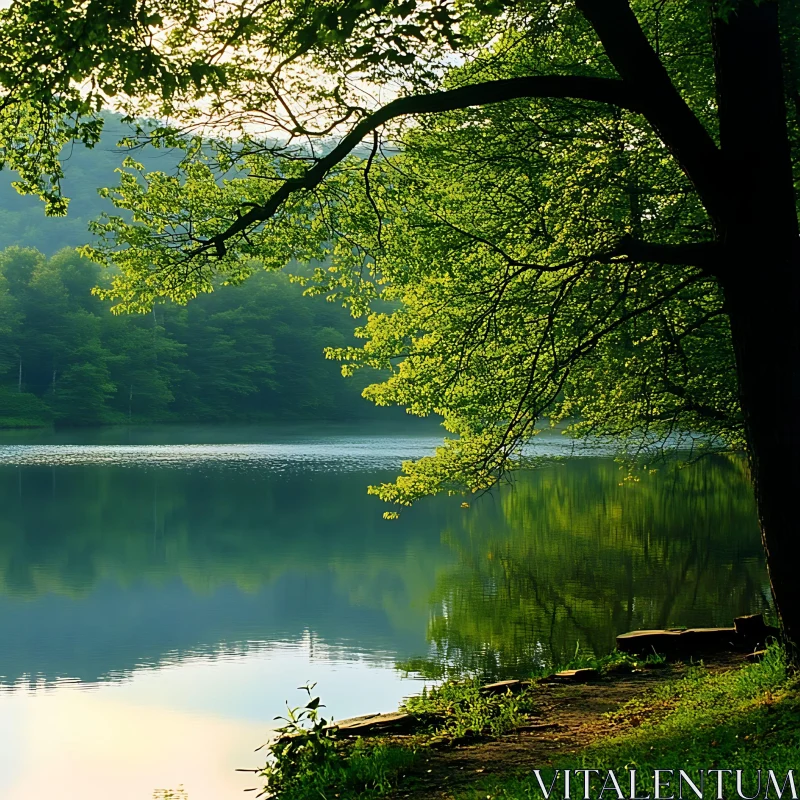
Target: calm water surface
x,y
164,591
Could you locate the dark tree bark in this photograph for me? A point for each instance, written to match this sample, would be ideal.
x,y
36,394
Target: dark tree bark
x,y
640,68
748,191
760,278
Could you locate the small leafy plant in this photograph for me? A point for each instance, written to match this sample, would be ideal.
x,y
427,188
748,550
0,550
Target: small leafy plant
x,y
309,762
305,745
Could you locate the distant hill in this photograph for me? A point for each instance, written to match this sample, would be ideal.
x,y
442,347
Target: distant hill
x,y
250,352
22,218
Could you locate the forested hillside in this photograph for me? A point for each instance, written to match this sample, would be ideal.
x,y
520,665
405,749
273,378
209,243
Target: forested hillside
x,y
22,218
250,352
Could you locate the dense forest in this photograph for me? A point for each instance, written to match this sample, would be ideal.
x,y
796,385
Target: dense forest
x,y
250,352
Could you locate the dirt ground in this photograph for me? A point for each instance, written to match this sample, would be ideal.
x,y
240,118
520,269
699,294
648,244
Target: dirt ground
x,y
569,718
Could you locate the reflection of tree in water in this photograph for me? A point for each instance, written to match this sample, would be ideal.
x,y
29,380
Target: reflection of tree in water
x,y
572,556
66,529
193,557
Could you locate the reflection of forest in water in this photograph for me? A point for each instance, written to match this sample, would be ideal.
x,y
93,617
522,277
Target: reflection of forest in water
x,y
103,568
574,555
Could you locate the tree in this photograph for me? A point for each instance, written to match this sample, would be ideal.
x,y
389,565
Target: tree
x,y
684,103
10,319
253,352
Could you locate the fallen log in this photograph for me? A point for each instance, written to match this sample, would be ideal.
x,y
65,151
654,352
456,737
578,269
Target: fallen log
x,y
747,633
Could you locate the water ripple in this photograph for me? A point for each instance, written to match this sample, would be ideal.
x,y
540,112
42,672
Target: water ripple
x,y
338,453
346,455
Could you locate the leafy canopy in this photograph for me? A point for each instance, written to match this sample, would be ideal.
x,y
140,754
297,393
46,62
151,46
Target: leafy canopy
x,y
539,242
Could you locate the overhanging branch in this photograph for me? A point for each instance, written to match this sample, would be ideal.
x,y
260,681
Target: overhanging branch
x,y
601,90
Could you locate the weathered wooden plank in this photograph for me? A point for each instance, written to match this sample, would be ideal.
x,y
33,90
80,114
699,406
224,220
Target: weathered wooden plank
x,y
584,675
501,687
676,641
397,722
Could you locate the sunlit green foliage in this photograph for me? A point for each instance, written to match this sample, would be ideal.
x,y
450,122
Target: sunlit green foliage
x,y
499,231
548,257
64,62
498,234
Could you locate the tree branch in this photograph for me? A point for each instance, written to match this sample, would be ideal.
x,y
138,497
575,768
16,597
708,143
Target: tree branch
x,y
677,126
707,256
601,90
693,406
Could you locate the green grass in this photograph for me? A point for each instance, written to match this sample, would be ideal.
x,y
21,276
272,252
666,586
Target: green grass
x,y
361,769
745,719
458,710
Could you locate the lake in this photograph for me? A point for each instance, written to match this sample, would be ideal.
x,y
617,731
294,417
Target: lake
x,y
164,591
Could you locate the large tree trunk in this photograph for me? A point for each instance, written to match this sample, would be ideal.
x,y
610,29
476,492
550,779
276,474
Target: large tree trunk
x,y
764,321
761,283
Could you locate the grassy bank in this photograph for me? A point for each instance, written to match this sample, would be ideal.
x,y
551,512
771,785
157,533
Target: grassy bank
x,y
744,718
747,718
